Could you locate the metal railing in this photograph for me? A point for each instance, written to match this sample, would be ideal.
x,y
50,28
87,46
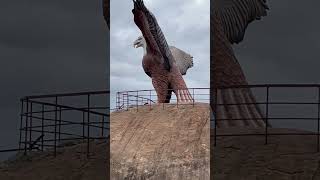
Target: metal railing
x,y
134,99
44,119
270,92
48,122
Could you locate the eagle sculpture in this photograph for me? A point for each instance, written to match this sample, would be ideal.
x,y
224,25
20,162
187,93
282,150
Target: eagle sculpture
x,y
158,62
183,60
229,20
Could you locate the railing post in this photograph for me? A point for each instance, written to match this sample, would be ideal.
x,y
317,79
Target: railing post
x,y
150,100
123,100
216,115
42,126
55,125
26,128
178,99
137,100
88,130
127,101
60,120
21,122
318,122
102,128
117,101
31,124
83,125
267,116
193,97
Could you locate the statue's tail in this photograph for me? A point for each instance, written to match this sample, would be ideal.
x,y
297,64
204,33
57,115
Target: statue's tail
x,y
237,108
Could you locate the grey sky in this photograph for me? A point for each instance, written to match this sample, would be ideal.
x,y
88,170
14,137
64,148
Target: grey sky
x,y
48,46
185,25
284,46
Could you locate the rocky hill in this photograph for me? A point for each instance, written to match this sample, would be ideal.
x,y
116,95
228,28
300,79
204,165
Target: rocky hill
x,y
161,143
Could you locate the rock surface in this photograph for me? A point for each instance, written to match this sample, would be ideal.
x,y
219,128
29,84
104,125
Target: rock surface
x,y
169,143
71,163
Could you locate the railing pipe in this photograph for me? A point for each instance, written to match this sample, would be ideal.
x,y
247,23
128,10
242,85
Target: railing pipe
x,y
21,122
42,127
318,120
55,126
215,115
30,129
60,116
267,116
88,130
26,128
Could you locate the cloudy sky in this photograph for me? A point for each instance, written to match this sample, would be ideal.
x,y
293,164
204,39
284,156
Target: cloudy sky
x,y
284,46
185,25
48,46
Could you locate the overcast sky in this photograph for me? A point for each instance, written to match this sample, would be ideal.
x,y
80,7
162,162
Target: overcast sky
x,y
185,25
283,47
48,46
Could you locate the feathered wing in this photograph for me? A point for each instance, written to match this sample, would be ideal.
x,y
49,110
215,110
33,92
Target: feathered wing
x,y
183,60
158,37
106,11
235,15
229,19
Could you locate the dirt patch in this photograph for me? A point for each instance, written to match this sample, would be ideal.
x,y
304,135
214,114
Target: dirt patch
x,y
71,163
248,158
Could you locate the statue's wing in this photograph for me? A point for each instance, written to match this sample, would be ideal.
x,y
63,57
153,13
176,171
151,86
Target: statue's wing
x,y
157,35
106,11
229,20
235,15
183,60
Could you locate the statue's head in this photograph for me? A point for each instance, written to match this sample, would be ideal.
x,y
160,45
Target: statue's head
x,y
140,42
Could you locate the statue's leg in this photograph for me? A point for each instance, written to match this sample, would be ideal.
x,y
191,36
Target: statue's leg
x,y
169,93
180,87
161,85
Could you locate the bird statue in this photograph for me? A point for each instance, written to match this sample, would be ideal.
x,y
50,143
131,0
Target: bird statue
x,y
158,62
229,20
183,60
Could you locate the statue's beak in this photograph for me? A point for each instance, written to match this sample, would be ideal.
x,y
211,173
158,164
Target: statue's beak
x,y
135,44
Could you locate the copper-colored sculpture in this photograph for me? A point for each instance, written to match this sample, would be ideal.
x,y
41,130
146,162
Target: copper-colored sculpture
x,y
158,63
183,60
229,20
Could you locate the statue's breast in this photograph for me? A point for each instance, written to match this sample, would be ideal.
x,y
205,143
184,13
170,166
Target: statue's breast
x,y
148,64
